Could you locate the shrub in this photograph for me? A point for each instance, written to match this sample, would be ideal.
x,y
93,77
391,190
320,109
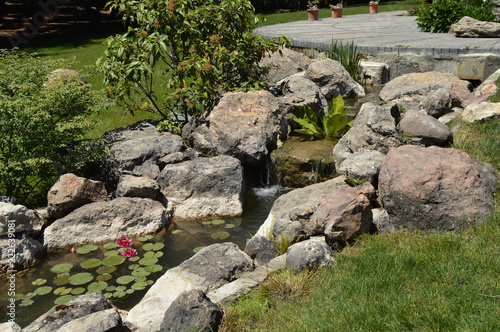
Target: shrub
x,y
39,124
195,49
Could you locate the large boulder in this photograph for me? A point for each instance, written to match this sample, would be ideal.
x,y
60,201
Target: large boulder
x,y
246,126
204,187
309,254
435,188
192,310
209,269
481,112
438,102
137,186
469,27
106,221
301,205
18,253
284,63
58,316
333,79
298,90
17,219
261,249
362,166
346,213
71,192
420,84
424,129
374,129
108,320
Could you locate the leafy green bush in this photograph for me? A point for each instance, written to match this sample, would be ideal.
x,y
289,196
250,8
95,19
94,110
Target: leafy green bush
x,y
195,49
40,121
335,125
348,56
439,15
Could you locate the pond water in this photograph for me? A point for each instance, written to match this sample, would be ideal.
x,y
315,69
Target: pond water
x,y
178,243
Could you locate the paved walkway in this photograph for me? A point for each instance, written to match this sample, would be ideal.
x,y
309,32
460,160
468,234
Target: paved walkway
x,y
382,32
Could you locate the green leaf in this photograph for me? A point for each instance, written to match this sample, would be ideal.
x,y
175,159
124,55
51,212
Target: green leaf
x,y
90,247
106,269
218,222
78,291
97,286
81,278
91,263
63,299
220,235
82,250
39,282
113,260
61,268
43,290
104,277
123,280
110,245
195,250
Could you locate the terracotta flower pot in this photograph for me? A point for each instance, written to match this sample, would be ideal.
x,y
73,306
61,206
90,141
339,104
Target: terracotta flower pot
x,y
373,8
337,12
312,14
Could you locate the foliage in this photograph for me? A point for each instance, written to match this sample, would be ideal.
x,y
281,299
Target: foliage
x,y
439,15
335,125
203,47
349,56
40,120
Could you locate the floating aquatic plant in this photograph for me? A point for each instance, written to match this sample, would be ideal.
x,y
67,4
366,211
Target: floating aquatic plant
x,y
59,268
91,263
124,242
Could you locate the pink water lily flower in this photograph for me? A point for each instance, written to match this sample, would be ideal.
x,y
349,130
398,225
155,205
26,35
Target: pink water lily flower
x,y
130,252
124,242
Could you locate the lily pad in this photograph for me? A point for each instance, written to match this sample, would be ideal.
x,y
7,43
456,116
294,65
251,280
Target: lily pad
x,y
133,266
61,279
82,250
29,295
39,282
148,246
149,254
111,253
153,268
106,269
208,222
139,285
18,297
218,222
64,299
134,259
229,226
158,254
113,260
43,290
110,288
123,280
108,295
26,303
129,291
150,282
220,236
59,268
90,247
195,250
110,245
97,286
78,291
148,261
91,263
80,278
177,231
62,290
119,294
137,279
120,288
104,277
140,272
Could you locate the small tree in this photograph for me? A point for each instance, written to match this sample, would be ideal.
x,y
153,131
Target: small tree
x,y
40,121
179,55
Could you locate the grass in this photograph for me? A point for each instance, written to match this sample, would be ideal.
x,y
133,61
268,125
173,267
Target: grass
x,y
406,281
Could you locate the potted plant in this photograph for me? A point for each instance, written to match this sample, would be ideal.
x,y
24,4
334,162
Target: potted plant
x,y
312,11
373,7
337,9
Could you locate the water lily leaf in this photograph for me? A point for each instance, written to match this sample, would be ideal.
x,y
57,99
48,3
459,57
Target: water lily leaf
x,y
134,259
82,250
110,245
139,285
208,222
80,278
148,246
91,263
158,254
62,291
39,282
108,295
97,286
106,269
153,268
220,236
64,299
137,279
111,253
133,266
119,294
26,303
149,254
18,297
122,249
120,288
104,277
113,260
29,295
123,280
158,246
177,231
59,268
150,282
148,261
43,290
78,291
195,250
229,226
110,288
90,247
61,280
218,222
140,272
129,291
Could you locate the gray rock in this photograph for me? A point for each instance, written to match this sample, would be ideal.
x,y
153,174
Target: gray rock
x,y
298,90
448,117
425,129
374,129
209,269
71,192
173,158
437,103
283,65
108,320
18,253
458,94
481,112
246,126
133,186
469,27
288,230
382,221
333,79
204,187
309,254
346,213
60,315
261,249
375,73
8,199
435,188
192,310
9,327
17,219
106,221
362,166
493,78
420,84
